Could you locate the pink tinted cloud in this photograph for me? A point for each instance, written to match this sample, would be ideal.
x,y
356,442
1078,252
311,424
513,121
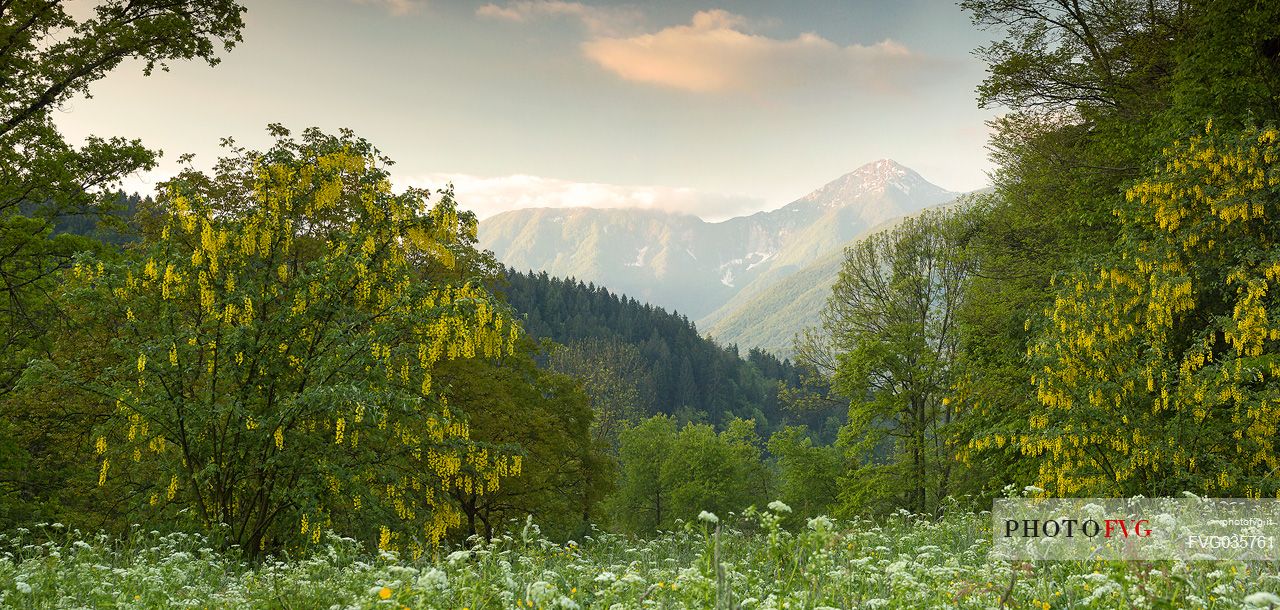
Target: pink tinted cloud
x,y
715,53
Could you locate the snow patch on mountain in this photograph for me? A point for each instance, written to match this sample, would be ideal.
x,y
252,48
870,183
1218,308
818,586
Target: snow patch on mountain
x,y
639,262
760,258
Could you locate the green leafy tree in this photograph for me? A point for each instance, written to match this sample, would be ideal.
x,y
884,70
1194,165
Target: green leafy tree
x,y
614,376
270,352
642,502
47,58
669,473
753,476
807,473
47,429
891,325
715,472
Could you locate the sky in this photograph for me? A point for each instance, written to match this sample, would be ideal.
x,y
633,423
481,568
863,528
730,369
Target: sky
x,y
712,109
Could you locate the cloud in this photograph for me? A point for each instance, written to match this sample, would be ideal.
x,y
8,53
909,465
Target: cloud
x,y
395,7
491,195
717,52
714,53
598,20
487,196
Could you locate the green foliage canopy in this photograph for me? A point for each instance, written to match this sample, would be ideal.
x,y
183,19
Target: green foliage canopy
x,y
47,57
668,473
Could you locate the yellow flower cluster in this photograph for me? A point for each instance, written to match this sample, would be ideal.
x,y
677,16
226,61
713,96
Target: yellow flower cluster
x,y
313,244
1126,398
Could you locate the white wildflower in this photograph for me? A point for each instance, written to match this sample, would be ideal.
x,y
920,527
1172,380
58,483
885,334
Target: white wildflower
x,y
778,506
541,591
821,523
433,580
1263,599
564,603
708,517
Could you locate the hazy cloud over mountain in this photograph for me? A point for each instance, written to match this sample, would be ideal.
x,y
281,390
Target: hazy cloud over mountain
x,y
487,196
688,265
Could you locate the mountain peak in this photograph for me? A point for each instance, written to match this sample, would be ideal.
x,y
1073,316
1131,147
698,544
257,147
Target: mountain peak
x,y
880,176
883,173
883,168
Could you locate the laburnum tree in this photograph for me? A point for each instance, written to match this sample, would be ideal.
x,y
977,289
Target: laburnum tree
x,y
270,350
1094,90
1158,370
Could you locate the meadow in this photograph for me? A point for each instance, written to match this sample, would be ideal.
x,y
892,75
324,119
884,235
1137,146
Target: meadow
x,y
757,560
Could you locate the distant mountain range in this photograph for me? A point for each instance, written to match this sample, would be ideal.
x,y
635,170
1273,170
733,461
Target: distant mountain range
x,y
752,280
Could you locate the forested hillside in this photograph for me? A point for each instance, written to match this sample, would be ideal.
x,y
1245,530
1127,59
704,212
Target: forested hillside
x,y
116,224
670,368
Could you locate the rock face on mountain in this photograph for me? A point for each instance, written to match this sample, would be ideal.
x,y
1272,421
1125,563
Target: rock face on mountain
x,y
682,263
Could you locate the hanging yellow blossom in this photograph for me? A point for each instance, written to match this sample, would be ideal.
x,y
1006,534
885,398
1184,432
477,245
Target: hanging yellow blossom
x,y
1168,352
301,287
